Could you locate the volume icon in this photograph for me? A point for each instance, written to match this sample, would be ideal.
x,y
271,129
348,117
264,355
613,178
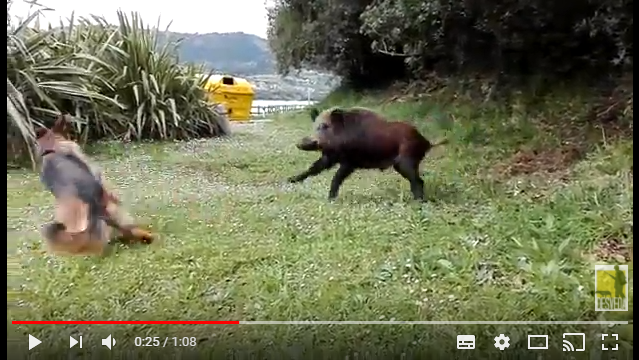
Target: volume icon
x,y
108,342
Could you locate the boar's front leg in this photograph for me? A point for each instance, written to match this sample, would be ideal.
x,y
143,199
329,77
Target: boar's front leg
x,y
341,174
322,164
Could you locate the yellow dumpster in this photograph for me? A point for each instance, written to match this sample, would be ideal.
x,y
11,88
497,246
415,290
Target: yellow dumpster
x,y
236,94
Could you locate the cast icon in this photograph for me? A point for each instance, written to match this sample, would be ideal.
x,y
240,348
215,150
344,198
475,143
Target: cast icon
x,y
568,346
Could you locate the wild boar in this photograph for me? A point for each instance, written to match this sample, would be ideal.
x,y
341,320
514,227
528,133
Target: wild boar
x,y
359,138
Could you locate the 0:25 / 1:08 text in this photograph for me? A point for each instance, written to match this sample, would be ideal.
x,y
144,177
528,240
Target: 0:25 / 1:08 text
x,y
170,341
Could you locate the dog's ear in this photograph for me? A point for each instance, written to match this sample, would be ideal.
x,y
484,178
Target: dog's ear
x,y
45,140
62,125
40,132
314,114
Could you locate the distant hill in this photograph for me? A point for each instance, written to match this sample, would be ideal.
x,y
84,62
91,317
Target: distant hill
x,y
249,56
234,53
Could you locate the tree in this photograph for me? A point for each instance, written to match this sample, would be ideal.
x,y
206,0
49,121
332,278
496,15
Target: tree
x,y
369,42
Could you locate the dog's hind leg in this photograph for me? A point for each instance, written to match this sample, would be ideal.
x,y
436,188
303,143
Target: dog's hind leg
x,y
119,219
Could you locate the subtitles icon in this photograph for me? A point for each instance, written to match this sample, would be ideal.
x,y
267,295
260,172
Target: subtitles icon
x,y
568,346
465,341
542,347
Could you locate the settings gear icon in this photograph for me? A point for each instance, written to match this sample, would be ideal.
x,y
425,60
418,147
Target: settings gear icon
x,y
502,341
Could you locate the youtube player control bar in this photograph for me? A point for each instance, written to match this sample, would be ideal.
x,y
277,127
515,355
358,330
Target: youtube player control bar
x,y
109,342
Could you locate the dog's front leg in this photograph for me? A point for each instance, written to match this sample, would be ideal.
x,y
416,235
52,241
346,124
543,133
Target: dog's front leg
x,y
322,164
59,241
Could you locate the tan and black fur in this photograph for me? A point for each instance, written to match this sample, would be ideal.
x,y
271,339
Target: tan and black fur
x,y
86,209
359,138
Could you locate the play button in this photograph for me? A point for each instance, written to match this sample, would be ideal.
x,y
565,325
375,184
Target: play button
x,y
33,342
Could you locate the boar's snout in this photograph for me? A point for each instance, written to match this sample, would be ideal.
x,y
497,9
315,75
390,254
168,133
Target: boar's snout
x,y
308,144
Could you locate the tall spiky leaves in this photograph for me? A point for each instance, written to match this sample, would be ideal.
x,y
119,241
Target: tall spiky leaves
x,y
116,80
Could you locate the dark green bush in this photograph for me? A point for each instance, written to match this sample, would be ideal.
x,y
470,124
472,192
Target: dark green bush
x,y
372,41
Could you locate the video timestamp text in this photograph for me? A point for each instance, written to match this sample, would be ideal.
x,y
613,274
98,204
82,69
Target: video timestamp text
x,y
157,341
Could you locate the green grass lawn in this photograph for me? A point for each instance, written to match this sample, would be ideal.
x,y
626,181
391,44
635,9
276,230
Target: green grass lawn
x,y
239,243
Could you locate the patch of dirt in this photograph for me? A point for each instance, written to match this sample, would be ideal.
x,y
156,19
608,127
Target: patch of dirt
x,y
613,111
608,117
530,161
613,247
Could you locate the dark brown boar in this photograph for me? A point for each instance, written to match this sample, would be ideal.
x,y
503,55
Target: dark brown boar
x,y
359,138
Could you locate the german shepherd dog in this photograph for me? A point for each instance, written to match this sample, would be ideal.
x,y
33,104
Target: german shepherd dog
x,y
85,209
359,138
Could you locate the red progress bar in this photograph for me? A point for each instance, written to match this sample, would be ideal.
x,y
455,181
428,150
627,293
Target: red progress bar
x,y
123,322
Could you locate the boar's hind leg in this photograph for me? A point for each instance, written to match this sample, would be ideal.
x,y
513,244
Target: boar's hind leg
x,y
341,174
410,171
322,164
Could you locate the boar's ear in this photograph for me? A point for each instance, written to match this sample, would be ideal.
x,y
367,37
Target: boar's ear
x,y
314,114
337,116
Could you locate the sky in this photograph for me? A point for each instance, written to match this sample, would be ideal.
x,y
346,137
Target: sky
x,y
189,16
